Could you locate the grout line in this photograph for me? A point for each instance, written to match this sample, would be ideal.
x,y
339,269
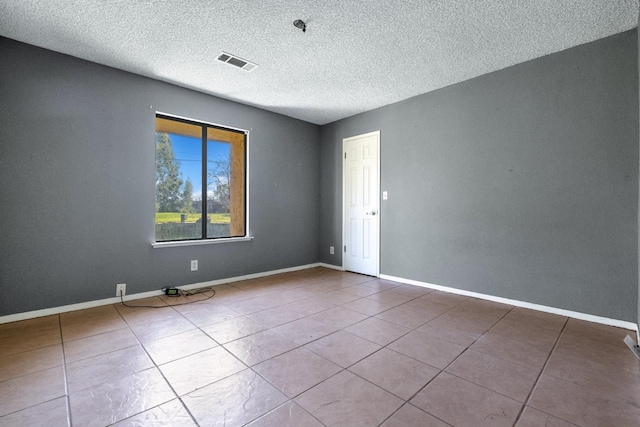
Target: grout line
x,y
410,404
407,401
302,346
546,362
157,368
64,373
450,363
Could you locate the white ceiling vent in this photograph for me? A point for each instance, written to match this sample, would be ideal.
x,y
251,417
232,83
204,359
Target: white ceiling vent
x,y
236,62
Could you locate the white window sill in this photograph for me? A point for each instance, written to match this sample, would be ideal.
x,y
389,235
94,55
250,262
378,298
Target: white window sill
x,y
158,245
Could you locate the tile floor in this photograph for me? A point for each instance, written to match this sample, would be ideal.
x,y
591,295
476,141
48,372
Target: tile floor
x,y
316,348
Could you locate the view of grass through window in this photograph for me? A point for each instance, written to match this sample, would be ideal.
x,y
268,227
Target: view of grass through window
x,y
198,199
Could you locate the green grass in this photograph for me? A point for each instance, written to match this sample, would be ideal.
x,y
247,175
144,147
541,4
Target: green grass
x,y
165,217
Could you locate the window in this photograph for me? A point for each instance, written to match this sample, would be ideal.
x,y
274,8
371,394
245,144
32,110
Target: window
x,y
200,181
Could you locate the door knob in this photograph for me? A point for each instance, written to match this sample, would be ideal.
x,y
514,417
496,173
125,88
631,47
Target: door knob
x,y
373,212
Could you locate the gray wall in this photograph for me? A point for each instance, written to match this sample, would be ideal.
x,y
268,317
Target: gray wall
x,y
77,167
522,183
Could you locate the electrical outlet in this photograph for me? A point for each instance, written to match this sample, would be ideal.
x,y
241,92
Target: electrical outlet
x,y
331,250
121,289
194,265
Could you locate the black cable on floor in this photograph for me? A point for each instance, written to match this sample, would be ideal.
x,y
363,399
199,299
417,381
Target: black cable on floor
x,y
181,292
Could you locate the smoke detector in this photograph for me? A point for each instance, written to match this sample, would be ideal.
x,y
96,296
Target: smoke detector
x,y
299,23
236,61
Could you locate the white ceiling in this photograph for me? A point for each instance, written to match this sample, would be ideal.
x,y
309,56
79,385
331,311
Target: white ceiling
x,y
356,55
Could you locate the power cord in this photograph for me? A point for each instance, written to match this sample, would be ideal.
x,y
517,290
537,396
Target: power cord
x,y
181,292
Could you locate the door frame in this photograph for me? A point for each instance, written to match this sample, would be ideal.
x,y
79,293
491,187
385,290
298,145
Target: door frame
x,y
344,181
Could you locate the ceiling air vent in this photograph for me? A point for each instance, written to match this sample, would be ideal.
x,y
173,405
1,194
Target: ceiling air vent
x,y
236,62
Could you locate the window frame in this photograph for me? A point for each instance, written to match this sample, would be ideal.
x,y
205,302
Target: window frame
x,y
204,240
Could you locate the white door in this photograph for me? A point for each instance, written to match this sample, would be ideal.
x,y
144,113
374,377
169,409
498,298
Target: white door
x,y
361,202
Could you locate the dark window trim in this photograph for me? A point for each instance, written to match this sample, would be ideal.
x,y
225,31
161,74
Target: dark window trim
x,y
204,239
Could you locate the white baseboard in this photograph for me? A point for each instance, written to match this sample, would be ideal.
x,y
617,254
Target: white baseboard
x,y
96,303
562,312
331,266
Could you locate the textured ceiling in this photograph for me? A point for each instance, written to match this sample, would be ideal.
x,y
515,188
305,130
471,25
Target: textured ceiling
x,y
354,56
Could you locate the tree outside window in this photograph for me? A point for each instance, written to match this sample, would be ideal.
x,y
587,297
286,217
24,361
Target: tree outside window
x,y
185,208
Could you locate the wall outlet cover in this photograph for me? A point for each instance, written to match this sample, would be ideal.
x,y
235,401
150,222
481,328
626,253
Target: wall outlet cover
x,y
121,289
